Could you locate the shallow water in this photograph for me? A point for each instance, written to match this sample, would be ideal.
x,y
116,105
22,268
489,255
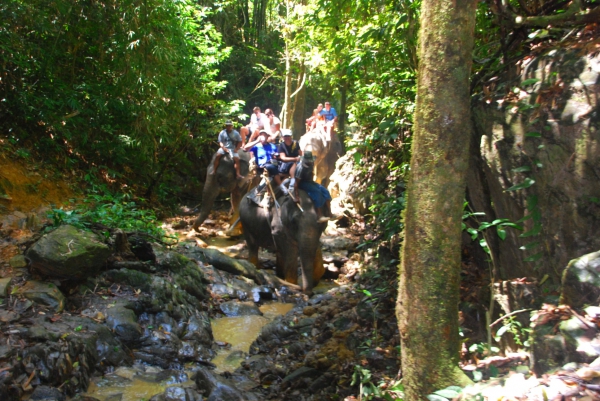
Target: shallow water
x,y
240,332
134,390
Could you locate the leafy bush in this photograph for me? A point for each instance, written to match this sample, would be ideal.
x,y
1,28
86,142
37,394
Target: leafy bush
x,y
113,211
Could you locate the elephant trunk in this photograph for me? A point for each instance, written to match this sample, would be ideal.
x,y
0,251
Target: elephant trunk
x,y
209,194
309,249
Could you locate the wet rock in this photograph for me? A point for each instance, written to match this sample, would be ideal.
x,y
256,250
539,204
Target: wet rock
x,y
167,323
236,308
68,252
303,372
45,393
158,294
309,310
187,351
185,272
228,264
317,299
125,372
159,348
581,281
199,329
43,293
123,322
217,388
262,293
220,290
8,316
18,262
175,394
4,284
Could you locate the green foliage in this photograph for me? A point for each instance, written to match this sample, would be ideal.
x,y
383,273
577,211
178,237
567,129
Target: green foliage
x,y
478,232
483,349
368,390
109,86
113,211
521,335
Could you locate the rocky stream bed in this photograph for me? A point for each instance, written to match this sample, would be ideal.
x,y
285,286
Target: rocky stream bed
x,y
125,318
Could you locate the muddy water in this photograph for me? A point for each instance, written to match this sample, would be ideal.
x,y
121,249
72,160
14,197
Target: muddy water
x,y
135,390
240,332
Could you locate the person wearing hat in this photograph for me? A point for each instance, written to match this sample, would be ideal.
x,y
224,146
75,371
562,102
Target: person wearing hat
x,y
304,180
289,153
264,153
230,142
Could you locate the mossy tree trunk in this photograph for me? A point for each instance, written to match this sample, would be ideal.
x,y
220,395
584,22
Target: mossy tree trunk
x,y
428,296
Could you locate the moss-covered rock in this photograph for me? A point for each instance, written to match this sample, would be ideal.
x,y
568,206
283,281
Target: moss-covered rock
x,y
68,252
581,281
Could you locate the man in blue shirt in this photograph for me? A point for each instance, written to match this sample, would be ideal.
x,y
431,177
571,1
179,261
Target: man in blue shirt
x,y
330,119
264,154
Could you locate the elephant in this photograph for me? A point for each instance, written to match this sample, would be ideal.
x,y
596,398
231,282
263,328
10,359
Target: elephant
x,y
224,181
325,154
288,231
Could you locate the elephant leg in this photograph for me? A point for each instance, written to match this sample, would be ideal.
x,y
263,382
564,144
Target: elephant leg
x,y
253,252
287,259
309,249
209,194
291,265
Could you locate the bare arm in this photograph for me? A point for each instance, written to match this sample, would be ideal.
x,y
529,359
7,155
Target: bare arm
x,y
249,145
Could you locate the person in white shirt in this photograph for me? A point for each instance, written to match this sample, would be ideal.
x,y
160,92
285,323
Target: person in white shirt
x,y
274,125
258,121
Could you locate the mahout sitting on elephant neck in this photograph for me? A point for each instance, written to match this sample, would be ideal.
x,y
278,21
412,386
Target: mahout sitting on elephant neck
x,y
292,231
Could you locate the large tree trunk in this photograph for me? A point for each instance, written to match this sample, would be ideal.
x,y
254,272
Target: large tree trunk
x,y
428,296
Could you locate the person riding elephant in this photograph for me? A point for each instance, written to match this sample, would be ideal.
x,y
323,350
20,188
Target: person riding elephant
x,y
292,230
224,181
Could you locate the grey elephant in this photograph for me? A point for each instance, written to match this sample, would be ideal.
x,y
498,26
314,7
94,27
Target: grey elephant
x,y
325,153
290,232
224,181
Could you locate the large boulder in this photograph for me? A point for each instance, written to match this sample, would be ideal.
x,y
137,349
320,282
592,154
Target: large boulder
x,y
68,252
581,281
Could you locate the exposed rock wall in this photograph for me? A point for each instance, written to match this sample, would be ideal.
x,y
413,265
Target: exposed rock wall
x,y
549,130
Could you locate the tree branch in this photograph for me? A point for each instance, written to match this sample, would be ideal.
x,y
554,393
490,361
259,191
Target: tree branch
x,y
574,15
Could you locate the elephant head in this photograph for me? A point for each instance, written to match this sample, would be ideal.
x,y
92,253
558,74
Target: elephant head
x,y
325,153
223,181
291,232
